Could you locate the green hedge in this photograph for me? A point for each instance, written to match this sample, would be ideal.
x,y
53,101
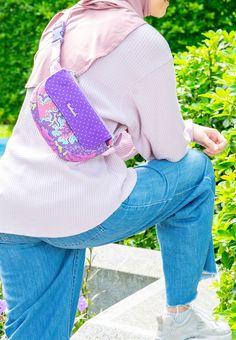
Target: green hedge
x,y
206,79
22,22
185,21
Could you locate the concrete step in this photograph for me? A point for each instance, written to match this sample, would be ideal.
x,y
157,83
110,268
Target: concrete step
x,y
134,318
119,271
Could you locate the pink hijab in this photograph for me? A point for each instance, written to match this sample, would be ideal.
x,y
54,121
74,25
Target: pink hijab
x,y
94,29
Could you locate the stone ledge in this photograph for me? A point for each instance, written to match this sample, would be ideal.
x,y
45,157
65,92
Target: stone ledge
x,y
126,259
134,318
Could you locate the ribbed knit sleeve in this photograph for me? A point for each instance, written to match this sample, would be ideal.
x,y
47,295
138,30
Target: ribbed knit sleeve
x,y
126,149
160,131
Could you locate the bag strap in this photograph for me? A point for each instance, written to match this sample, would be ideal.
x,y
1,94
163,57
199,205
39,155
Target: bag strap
x,y
58,32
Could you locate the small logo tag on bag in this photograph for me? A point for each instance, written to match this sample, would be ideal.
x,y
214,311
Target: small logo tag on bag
x,y
71,110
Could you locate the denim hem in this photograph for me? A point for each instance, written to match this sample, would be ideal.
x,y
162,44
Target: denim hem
x,y
185,303
205,275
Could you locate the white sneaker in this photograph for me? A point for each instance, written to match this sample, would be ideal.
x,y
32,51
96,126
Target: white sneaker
x,y
198,325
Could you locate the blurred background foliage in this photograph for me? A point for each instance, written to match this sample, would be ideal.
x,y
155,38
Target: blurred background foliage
x,y
22,22
202,38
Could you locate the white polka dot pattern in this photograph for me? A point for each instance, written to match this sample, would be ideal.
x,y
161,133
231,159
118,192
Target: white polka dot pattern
x,y
88,127
67,121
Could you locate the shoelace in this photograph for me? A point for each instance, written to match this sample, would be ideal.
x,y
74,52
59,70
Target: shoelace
x,y
197,309
160,319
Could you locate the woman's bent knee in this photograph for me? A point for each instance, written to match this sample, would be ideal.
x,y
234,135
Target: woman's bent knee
x,y
194,167
201,163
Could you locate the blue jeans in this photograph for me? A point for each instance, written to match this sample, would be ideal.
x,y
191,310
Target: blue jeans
x,y
42,277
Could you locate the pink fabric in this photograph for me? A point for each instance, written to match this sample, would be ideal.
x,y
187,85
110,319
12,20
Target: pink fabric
x,y
125,149
94,29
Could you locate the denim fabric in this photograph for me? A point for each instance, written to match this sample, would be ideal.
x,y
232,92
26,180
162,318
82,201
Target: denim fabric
x,y
42,277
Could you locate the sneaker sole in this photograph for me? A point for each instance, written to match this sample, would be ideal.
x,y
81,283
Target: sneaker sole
x,y
213,337
222,337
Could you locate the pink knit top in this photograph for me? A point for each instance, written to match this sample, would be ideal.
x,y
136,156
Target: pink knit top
x,y
133,86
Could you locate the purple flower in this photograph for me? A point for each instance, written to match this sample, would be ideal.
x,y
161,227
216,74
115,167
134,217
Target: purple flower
x,y
3,306
82,304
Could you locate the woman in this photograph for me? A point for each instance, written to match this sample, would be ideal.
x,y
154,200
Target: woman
x,y
51,210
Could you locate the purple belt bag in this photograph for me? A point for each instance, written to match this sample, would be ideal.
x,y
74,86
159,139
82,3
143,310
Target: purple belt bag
x,y
67,121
